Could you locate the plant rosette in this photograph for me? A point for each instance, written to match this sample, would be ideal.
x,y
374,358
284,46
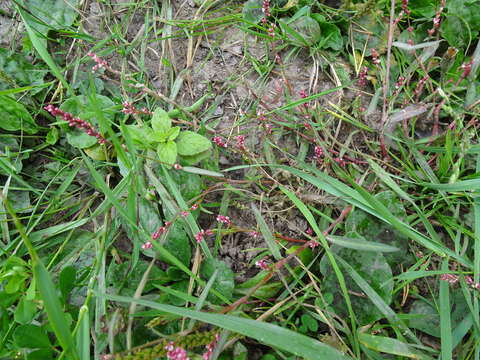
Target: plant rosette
x,y
170,141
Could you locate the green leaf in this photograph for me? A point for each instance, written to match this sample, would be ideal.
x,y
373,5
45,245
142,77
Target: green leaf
x,y
31,337
263,332
453,29
391,346
15,116
194,159
331,35
307,28
81,106
426,318
56,316
67,280
16,71
25,311
173,133
252,11
224,282
52,136
141,135
167,152
375,271
359,243
161,122
190,143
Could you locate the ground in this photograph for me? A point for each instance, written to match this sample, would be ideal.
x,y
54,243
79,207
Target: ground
x,y
308,170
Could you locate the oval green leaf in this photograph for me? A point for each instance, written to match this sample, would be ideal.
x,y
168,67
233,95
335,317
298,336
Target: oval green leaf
x,y
167,152
161,122
190,143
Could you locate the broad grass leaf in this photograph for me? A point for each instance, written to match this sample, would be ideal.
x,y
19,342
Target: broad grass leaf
x,y
391,346
284,339
190,143
15,116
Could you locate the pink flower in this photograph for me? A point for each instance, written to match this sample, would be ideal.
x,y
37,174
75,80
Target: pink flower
x,y
219,141
194,207
177,167
184,213
450,278
100,63
199,236
241,142
309,231
210,347
312,244
175,353
129,108
254,234
375,56
262,264
224,219
147,245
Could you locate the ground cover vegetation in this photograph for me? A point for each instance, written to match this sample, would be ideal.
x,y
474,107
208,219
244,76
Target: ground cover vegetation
x,y
215,179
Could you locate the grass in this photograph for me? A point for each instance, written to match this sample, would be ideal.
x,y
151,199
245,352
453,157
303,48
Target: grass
x,y
338,145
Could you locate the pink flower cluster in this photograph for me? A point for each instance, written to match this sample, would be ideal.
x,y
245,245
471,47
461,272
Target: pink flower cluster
x,y
224,219
76,122
219,141
100,63
375,56
452,279
241,142
201,234
175,353
210,347
362,77
318,153
160,231
129,108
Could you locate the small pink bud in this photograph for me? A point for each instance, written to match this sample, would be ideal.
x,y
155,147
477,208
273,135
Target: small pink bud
x,y
262,264
147,245
224,219
184,213
194,207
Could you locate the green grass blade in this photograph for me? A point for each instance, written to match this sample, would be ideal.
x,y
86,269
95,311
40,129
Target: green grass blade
x,y
445,320
266,333
360,244
391,346
341,279
267,234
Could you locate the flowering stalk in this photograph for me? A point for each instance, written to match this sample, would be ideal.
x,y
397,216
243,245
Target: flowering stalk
x,y
436,19
76,122
100,63
129,108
